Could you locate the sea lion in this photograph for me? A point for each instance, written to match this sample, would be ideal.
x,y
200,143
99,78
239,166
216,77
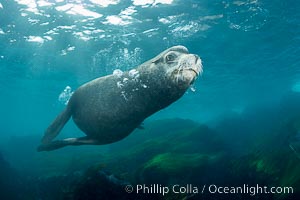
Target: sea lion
x,y
109,108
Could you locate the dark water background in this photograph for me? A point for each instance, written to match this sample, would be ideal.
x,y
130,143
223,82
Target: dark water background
x,y
249,92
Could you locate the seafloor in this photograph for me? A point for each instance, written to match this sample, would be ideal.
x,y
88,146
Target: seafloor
x,y
168,152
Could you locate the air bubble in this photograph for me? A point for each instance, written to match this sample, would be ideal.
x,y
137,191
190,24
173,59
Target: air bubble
x,y
193,89
65,95
118,73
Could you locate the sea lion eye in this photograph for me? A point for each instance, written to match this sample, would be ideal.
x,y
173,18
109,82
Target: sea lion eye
x,y
170,57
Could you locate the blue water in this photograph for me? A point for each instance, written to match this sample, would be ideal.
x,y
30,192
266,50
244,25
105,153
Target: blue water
x,y
250,50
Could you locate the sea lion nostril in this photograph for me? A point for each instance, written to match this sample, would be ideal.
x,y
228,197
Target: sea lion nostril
x,y
197,58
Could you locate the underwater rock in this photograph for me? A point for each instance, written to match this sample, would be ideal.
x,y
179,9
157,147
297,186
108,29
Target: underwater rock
x,y
172,135
12,186
92,184
160,139
197,154
56,186
100,185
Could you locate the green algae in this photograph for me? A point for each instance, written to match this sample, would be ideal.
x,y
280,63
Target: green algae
x,y
172,163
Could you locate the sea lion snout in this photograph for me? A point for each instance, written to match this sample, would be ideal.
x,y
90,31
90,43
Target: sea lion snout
x,y
188,68
198,65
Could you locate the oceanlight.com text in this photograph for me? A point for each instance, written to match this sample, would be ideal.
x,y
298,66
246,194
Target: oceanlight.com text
x,y
207,189
251,190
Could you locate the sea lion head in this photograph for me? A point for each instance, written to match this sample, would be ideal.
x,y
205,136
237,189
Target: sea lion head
x,y
180,67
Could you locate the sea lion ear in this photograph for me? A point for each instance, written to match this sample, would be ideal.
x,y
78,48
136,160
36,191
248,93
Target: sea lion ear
x,y
156,60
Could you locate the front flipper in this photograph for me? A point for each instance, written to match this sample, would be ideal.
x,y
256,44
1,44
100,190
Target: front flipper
x,y
56,126
66,142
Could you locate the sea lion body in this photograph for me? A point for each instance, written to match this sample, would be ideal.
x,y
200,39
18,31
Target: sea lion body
x,y
109,108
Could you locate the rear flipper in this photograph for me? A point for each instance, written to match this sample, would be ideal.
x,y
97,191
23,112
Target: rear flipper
x,y
56,126
66,142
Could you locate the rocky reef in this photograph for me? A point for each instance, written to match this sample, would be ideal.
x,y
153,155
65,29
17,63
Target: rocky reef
x,y
13,186
257,148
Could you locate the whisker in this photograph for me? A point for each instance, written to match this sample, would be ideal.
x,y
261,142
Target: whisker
x,y
178,73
